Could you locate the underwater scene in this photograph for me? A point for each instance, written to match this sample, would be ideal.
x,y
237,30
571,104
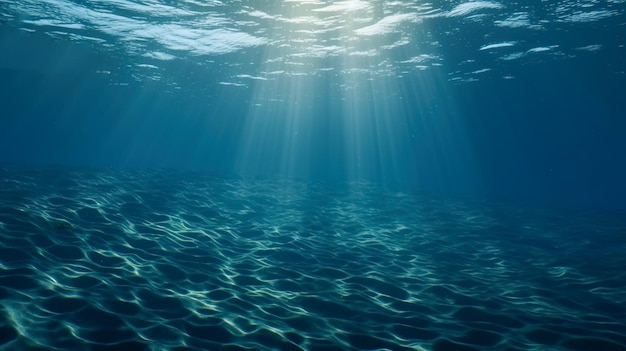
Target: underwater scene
x,y
313,175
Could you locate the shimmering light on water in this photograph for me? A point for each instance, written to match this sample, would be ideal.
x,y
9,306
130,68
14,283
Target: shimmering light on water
x,y
371,175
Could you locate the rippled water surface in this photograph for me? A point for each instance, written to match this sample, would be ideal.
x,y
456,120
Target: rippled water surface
x,y
108,260
358,103
461,40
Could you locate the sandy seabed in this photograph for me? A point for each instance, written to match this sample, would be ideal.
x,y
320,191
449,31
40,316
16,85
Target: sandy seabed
x,y
111,260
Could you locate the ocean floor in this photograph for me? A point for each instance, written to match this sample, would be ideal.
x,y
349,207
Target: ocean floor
x,y
149,260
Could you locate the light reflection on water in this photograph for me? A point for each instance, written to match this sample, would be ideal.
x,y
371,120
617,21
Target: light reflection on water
x,y
301,38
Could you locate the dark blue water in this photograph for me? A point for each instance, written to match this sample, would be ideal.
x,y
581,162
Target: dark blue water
x,y
312,175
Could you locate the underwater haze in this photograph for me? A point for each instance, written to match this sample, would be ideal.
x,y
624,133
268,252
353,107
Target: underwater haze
x,y
312,175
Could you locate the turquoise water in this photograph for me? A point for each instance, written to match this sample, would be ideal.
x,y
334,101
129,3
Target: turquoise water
x,y
312,175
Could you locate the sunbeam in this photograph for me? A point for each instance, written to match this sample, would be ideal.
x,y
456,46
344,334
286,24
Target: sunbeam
x,y
312,175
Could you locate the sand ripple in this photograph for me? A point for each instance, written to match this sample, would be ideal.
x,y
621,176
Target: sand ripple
x,y
164,260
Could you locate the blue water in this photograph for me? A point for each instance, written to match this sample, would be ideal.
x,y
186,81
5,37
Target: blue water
x,y
312,175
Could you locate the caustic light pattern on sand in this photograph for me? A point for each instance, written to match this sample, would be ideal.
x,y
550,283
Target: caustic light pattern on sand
x,y
155,261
